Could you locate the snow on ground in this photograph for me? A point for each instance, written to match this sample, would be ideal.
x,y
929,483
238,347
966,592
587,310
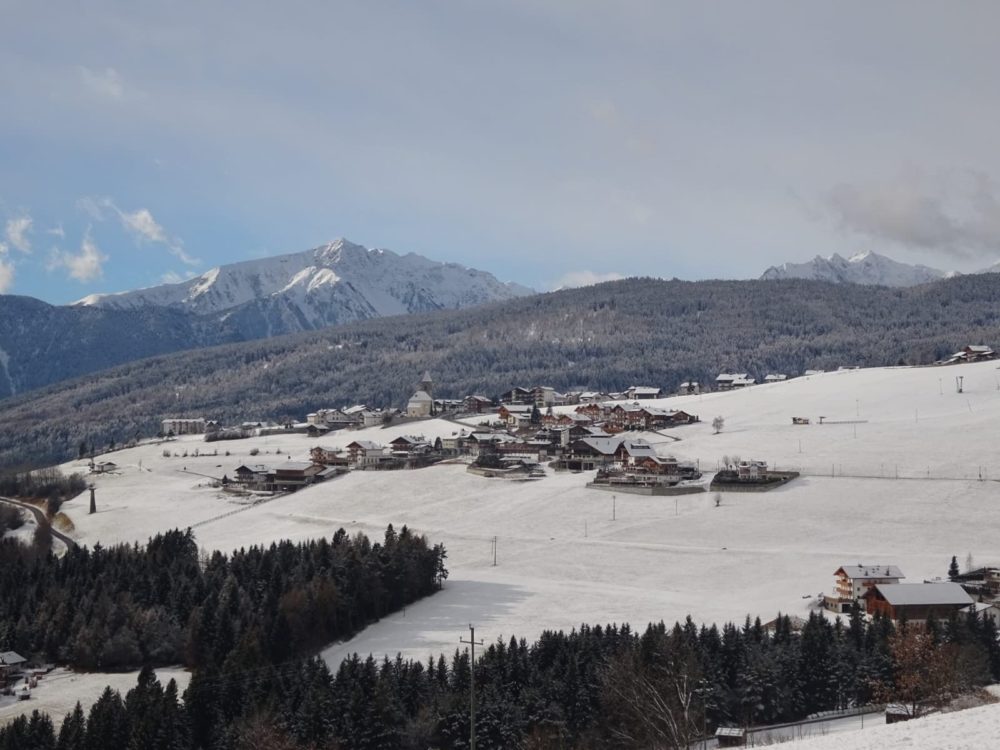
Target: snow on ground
x,y
562,560
58,691
962,730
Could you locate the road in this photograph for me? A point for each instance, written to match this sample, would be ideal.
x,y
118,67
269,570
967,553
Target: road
x,y
41,519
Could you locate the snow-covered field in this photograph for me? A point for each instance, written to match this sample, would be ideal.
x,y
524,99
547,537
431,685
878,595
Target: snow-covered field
x,y
58,692
562,560
971,729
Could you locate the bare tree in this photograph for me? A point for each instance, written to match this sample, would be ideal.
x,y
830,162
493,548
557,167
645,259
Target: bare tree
x,y
923,675
653,705
717,424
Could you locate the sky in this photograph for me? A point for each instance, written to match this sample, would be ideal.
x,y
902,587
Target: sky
x,y
551,143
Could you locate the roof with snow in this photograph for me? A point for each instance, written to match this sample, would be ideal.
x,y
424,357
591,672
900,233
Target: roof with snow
x,y
730,732
421,397
638,449
11,658
604,445
366,445
923,593
861,572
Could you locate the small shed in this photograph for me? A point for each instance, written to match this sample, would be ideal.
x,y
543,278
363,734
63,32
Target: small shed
x,y
731,736
896,712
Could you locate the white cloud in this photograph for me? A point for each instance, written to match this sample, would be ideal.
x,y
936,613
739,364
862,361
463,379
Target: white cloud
x,y
140,224
86,265
57,232
956,212
585,278
105,83
6,276
17,231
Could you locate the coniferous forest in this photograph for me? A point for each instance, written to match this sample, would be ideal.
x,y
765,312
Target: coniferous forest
x,y
247,624
604,337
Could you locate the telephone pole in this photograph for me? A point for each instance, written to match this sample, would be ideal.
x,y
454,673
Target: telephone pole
x,y
472,642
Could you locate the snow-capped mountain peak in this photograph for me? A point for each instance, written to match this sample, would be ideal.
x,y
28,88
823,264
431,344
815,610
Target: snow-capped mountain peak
x,y
338,282
865,267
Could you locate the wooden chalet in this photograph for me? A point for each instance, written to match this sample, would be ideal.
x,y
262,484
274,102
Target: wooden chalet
x,y
852,582
328,457
477,404
916,602
516,416
365,453
408,445
517,395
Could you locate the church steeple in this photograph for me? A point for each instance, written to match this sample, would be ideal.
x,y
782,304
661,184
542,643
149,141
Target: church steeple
x,y
427,384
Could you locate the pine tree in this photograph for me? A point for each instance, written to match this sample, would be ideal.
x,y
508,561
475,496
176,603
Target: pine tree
x,y
953,570
73,733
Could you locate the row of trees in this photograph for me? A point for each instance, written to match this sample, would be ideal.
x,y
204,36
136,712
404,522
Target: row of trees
x,y
127,606
596,687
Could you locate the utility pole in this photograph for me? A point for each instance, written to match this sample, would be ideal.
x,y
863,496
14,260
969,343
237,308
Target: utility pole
x,y
472,642
614,499
494,552
93,500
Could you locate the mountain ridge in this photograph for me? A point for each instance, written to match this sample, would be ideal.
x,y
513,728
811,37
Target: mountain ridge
x,y
866,268
339,282
336,283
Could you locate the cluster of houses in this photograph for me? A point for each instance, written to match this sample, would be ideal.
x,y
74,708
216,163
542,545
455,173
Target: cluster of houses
x,y
877,589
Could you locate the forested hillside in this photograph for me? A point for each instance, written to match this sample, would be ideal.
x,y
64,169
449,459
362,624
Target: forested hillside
x,y
608,336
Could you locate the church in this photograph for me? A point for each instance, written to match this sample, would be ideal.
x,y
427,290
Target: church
x,y
421,403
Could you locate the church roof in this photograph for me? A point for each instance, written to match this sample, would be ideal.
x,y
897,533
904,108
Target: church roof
x,y
427,377
421,396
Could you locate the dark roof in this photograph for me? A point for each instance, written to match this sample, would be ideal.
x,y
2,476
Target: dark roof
x,y
923,593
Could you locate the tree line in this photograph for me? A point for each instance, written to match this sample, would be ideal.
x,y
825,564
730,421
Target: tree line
x,y
594,687
127,606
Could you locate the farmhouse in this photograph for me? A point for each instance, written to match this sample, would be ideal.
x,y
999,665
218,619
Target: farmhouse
x,y
727,381
11,663
689,388
983,582
775,377
328,457
183,426
751,470
284,477
516,416
476,404
363,453
407,445
852,582
637,392
974,353
916,601
517,395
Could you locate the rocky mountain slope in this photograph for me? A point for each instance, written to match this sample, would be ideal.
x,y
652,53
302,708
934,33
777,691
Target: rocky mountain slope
x,y
864,268
336,283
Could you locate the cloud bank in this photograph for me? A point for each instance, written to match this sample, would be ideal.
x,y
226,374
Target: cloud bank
x,y
957,213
